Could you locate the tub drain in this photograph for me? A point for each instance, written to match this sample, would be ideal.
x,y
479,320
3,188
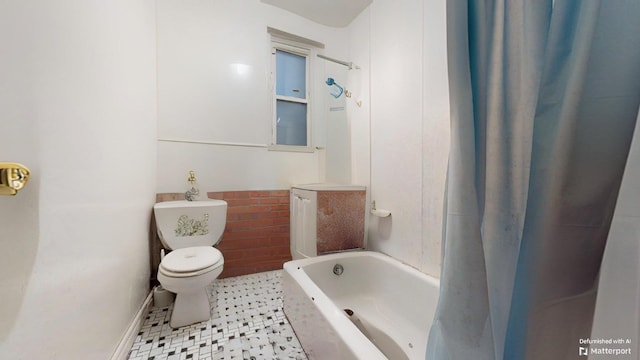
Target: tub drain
x,y
338,269
378,337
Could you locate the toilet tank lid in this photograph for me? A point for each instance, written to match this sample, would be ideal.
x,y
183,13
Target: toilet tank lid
x,y
189,204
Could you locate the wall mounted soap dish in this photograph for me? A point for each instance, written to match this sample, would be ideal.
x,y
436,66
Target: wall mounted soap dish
x,y
379,212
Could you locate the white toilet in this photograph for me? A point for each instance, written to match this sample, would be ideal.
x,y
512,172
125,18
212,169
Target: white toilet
x,y
190,229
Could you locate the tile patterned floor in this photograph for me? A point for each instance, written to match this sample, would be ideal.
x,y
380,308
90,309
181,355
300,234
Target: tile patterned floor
x,y
247,322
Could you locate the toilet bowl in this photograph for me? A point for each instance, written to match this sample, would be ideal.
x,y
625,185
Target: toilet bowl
x,y
190,229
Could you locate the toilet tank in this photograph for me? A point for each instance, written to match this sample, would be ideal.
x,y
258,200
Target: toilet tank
x,y
326,218
184,223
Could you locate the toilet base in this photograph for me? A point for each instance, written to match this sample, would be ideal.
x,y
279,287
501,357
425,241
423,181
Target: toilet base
x,y
192,303
190,308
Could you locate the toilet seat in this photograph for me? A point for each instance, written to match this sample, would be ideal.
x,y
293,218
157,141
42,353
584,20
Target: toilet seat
x,y
191,261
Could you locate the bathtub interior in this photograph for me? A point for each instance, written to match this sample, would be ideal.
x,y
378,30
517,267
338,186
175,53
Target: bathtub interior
x,y
393,304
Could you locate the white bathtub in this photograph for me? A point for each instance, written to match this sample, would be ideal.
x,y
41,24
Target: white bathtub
x,y
393,305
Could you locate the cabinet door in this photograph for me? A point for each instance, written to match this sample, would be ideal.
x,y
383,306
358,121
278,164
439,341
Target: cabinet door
x,y
303,223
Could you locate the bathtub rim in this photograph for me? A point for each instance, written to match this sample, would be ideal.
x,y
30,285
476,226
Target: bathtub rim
x,y
363,253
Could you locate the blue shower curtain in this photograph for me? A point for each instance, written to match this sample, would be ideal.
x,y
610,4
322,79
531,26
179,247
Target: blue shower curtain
x,y
544,98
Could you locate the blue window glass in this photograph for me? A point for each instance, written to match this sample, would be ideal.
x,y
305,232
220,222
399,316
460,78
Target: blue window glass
x,y
291,74
291,123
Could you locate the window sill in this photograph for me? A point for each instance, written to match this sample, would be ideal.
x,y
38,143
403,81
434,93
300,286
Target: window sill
x,y
291,148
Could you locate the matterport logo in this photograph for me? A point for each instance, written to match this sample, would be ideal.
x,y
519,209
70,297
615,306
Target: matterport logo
x,y
609,347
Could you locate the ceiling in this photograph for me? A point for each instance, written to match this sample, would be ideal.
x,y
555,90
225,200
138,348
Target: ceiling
x,y
336,13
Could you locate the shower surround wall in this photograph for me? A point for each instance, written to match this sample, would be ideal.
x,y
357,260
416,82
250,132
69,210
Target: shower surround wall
x,y
402,46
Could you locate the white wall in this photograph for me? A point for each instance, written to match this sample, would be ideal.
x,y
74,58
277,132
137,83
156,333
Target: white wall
x,y
409,112
435,132
359,116
617,312
338,133
78,107
213,86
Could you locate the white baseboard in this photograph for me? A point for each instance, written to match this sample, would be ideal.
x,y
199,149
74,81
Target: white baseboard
x,y
122,351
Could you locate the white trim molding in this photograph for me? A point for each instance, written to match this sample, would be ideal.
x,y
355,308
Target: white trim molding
x,y
123,348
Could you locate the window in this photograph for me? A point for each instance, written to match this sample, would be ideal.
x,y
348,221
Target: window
x,y
291,107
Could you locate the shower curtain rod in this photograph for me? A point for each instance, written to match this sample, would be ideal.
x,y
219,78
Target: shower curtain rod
x,y
350,65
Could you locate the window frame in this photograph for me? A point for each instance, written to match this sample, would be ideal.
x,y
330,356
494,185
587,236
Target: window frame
x,y
301,50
